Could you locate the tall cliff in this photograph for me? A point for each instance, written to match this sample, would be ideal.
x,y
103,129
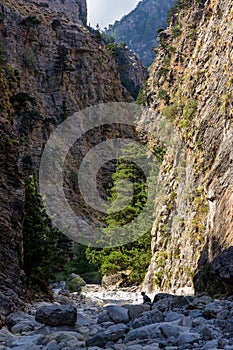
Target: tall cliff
x,y
138,28
51,67
191,84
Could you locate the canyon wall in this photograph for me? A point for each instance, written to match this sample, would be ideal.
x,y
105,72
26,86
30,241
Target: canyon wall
x,y
191,84
51,67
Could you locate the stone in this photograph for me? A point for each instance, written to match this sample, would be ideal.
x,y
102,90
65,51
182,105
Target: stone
x,y
209,332
22,327
161,296
118,314
188,337
211,310
212,344
25,342
117,331
172,316
147,332
21,317
148,317
57,315
170,330
6,337
135,311
99,339
117,280
134,347
154,346
222,268
103,317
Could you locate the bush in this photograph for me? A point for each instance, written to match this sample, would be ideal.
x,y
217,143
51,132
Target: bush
x,y
171,111
176,31
30,21
75,283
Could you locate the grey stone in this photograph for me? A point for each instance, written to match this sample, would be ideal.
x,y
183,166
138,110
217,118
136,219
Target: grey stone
x,y
56,315
29,340
148,317
188,337
117,331
135,347
212,344
24,326
6,337
103,317
198,321
208,332
171,330
99,339
83,320
64,336
52,345
135,311
223,315
118,314
147,332
19,316
194,313
186,322
172,316
154,346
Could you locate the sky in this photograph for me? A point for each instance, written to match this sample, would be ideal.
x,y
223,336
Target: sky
x,y
105,12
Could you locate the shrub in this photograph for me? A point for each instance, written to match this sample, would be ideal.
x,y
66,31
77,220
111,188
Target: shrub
x,y
29,59
176,31
30,21
162,94
171,111
76,283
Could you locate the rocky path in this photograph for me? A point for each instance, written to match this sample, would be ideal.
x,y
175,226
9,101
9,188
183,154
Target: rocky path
x,y
172,322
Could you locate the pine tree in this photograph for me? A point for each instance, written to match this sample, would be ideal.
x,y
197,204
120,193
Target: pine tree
x,y
134,256
43,245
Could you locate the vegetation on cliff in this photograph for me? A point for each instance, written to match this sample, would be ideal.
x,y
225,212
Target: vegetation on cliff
x,y
138,28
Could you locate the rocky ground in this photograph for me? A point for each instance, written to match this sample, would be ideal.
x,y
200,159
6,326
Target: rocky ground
x,y
171,322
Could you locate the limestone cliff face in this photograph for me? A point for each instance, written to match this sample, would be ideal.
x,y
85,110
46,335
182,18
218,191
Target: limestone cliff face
x,y
51,67
71,10
191,84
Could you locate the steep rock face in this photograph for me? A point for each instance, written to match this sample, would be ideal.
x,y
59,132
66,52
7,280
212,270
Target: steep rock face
x,y
191,85
49,70
72,10
138,28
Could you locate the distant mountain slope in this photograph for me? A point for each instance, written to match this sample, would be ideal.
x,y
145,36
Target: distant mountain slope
x,y
138,28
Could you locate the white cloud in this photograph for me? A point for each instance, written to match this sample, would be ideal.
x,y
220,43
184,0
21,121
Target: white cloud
x,y
105,12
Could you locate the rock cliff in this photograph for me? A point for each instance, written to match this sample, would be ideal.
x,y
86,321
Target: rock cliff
x,y
191,84
138,28
51,67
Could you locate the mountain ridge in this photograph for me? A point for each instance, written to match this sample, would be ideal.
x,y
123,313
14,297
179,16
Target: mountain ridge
x,y
138,28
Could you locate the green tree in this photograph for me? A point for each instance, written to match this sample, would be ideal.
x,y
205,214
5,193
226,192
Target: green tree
x,y
43,245
134,256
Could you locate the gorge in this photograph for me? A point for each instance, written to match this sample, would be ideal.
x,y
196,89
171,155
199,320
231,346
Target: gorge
x,y
53,65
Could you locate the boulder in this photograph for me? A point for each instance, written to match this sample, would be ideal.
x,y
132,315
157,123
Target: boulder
x,y
75,283
149,317
116,281
57,315
147,332
118,314
99,339
135,311
216,278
